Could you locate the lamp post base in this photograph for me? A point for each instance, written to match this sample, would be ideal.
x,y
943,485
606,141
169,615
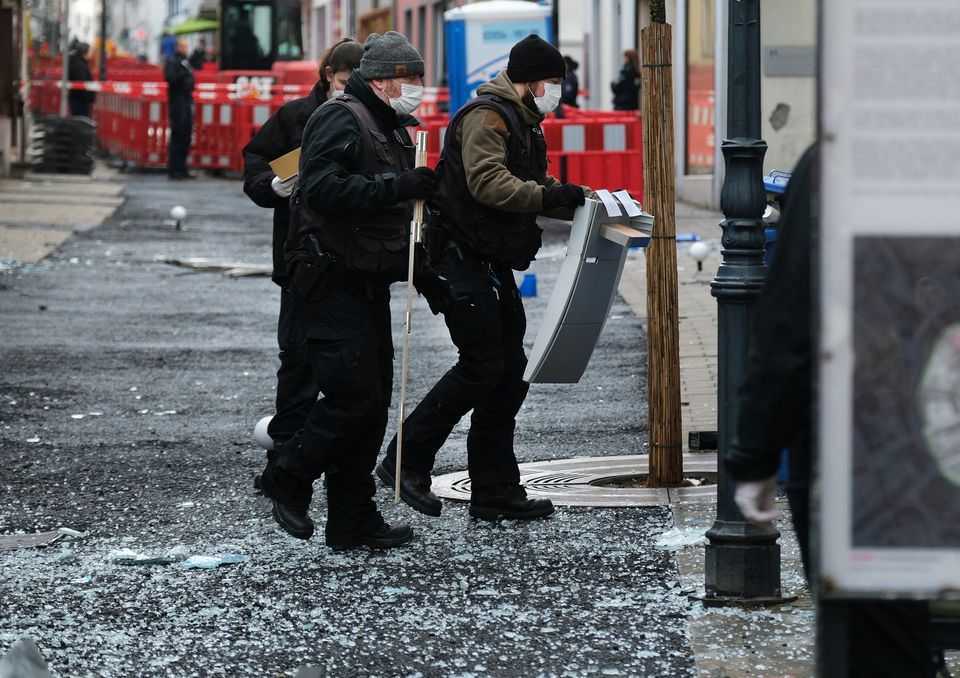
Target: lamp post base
x,y
746,572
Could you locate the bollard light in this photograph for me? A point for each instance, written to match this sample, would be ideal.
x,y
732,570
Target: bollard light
x,y
178,213
261,435
699,252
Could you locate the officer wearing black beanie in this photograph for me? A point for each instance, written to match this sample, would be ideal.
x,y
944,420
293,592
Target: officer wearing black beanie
x,y
533,58
492,185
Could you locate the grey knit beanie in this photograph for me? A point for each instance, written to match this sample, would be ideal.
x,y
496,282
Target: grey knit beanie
x,y
389,56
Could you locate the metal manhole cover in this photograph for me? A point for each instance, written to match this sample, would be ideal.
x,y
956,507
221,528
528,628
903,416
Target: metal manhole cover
x,y
572,482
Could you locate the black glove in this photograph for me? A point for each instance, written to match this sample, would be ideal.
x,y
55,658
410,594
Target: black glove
x,y
416,183
435,288
568,195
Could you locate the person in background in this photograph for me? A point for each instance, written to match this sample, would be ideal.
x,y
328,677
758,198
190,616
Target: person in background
x,y
281,133
78,70
179,76
571,84
626,88
199,54
168,45
887,639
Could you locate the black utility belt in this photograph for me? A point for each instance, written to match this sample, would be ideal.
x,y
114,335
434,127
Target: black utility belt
x,y
313,284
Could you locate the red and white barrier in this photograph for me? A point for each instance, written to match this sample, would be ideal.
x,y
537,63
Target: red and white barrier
x,y
700,128
604,153
598,149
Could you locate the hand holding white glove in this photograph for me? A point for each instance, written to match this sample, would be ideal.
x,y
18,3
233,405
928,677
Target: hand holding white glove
x,y
283,188
755,500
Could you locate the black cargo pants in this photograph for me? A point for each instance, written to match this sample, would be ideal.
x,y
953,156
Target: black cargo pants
x,y
487,325
350,350
296,388
180,112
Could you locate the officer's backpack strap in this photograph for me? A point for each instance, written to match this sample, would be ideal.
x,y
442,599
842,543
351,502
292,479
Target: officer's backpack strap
x,y
377,241
516,145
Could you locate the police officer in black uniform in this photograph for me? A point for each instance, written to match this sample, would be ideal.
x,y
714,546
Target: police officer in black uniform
x,y
493,183
80,101
296,388
348,241
179,76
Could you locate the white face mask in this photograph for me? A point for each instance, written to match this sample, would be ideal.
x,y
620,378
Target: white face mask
x,y
409,99
550,98
336,93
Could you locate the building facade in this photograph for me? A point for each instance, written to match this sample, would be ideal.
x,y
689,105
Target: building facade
x,y
596,33
788,32
788,85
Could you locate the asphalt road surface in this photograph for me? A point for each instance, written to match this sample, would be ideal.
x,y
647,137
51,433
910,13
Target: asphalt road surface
x,y
128,395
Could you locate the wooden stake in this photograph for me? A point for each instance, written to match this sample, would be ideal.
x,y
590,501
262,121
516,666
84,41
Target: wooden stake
x,y
659,198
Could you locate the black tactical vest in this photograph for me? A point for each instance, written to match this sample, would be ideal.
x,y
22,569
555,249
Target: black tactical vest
x,y
368,241
507,237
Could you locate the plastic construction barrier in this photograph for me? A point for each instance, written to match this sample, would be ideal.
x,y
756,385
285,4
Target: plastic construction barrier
x,y
597,149
605,151
132,118
700,126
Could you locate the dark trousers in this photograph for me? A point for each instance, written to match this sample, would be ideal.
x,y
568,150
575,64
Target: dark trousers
x,y
296,388
181,131
79,105
877,638
350,350
487,325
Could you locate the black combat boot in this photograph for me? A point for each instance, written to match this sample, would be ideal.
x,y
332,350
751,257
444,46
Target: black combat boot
x,y
290,501
414,487
381,537
507,501
257,482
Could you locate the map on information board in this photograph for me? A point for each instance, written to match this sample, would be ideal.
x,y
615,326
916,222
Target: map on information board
x,y
906,392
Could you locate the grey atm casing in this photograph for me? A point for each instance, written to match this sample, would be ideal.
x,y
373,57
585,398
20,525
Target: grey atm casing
x,y
581,300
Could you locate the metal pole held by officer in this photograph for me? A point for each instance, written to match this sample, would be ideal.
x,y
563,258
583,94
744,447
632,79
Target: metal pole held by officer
x,y
416,237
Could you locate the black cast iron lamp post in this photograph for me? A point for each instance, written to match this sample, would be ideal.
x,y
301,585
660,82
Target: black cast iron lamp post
x,y
742,559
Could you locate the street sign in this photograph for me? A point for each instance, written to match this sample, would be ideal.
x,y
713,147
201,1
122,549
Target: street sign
x,y
889,362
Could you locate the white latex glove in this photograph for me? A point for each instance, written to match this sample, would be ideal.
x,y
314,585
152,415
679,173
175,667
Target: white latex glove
x,y
283,188
755,499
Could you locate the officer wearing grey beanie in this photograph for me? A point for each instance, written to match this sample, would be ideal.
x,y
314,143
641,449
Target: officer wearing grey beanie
x,y
348,241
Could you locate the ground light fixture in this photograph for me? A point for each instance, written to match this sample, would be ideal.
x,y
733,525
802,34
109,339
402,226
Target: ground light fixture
x,y
699,252
178,213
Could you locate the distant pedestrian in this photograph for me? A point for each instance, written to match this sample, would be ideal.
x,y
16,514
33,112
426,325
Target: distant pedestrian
x,y
348,242
198,57
282,132
78,70
168,45
571,84
626,88
180,81
493,185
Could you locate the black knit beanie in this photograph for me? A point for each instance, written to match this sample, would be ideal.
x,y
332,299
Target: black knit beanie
x,y
533,59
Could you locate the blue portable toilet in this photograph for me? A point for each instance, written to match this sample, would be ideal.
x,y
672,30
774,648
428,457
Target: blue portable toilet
x,y
479,37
